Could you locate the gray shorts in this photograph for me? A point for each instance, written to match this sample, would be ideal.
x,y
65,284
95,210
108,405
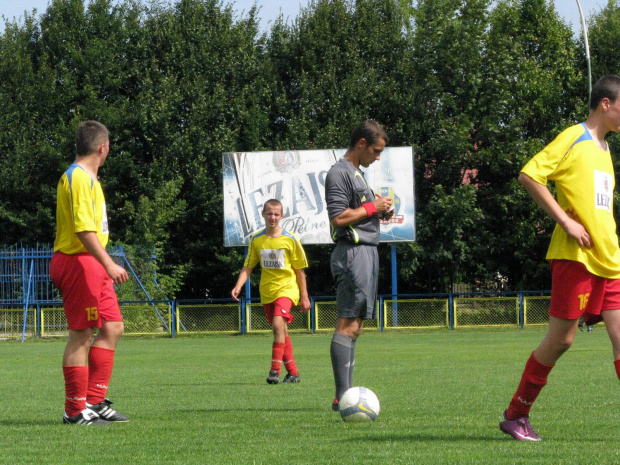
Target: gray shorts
x,y
355,269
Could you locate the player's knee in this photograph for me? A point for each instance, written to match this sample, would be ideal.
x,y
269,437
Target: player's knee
x,y
81,337
564,344
112,329
279,333
119,327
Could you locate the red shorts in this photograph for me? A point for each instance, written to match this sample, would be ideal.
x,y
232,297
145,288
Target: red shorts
x,y
87,290
279,307
576,292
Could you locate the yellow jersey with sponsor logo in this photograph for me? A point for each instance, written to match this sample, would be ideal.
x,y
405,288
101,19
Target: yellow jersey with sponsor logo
x,y
80,207
584,181
279,257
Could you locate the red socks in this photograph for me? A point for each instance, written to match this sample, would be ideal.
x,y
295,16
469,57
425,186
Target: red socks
x,y
90,382
289,360
283,352
76,386
100,364
277,351
534,378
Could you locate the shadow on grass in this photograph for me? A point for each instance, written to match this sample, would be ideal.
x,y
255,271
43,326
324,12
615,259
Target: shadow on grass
x,y
430,438
205,383
32,422
256,409
219,383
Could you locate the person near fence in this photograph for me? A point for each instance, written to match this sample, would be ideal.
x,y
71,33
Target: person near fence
x,y
84,273
282,285
354,212
584,255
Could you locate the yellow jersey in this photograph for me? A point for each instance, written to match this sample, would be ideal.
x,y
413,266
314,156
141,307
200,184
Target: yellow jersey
x,y
584,181
279,257
80,207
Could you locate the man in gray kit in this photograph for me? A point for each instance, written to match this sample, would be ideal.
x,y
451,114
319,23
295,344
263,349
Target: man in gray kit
x,y
354,213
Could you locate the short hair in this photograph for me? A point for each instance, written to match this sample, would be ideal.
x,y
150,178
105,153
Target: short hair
x,y
606,87
369,130
273,203
89,135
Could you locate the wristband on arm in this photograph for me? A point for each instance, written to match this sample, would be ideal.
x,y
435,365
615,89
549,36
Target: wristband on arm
x,y
370,208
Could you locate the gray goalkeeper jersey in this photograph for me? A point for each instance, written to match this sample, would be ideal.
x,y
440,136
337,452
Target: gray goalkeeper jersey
x,y
346,187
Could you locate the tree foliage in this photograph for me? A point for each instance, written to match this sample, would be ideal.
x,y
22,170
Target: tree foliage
x,y
477,87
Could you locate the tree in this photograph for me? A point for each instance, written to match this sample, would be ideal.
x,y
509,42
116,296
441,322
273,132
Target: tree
x,y
204,94
477,87
449,41
30,150
534,88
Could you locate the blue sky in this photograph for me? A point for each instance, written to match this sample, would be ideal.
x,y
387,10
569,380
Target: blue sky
x,y
270,9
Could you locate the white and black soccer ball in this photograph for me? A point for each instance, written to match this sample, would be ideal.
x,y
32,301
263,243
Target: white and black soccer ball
x,y
359,404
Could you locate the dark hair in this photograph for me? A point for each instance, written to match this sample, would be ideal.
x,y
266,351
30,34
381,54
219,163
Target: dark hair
x,y
369,130
273,203
606,87
89,135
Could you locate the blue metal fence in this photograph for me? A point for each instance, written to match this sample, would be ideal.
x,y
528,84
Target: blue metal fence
x,y
21,266
25,281
30,302
172,318
24,274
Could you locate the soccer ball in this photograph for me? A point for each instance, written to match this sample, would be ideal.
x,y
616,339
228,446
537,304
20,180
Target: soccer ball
x,y
359,404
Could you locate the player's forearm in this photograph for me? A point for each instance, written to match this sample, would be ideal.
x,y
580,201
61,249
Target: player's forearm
x,y
244,275
91,243
301,283
349,216
544,199
354,215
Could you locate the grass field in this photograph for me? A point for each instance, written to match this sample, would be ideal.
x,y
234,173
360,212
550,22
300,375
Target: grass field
x,y
205,401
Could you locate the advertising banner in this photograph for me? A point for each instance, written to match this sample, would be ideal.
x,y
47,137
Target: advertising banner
x,y
297,179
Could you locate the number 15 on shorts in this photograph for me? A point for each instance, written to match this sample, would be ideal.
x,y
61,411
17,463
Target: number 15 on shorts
x,y
583,301
92,314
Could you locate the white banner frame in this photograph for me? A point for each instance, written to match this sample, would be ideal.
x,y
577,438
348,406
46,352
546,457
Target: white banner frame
x,y
297,179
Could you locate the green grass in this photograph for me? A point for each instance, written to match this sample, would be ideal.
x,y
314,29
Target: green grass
x,y
205,401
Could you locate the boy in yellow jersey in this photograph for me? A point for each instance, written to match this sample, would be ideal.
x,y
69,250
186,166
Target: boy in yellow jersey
x,y
584,253
84,273
282,260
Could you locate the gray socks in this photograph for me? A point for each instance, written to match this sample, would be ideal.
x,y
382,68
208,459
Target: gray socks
x,y
342,351
351,362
